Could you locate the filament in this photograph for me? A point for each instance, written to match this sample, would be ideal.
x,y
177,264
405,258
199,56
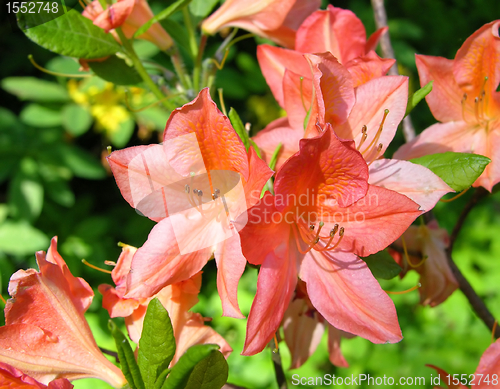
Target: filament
x,y
405,291
3,300
221,99
379,132
302,94
363,137
30,57
455,197
464,100
276,348
492,330
95,267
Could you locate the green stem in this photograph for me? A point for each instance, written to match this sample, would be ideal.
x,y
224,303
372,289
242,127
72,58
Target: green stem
x,y
197,64
193,45
140,68
176,58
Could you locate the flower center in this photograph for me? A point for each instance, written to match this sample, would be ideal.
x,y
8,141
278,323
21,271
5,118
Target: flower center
x,y
312,237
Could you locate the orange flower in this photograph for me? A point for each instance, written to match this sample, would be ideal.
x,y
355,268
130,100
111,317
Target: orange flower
x,y
277,20
189,327
10,377
129,15
46,335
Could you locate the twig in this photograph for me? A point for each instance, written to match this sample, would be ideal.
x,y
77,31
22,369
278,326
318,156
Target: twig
x,y
110,353
388,52
278,367
474,300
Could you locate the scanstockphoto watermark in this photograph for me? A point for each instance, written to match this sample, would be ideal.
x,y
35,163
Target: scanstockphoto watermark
x,y
356,380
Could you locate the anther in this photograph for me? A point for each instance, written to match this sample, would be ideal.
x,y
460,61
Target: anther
x,y
200,193
187,189
311,227
379,132
364,130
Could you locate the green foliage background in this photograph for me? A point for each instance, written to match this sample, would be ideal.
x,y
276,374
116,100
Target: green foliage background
x,y
53,182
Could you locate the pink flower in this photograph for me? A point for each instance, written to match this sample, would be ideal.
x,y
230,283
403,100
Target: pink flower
x,y
129,15
464,99
10,377
46,335
189,327
323,215
489,366
204,174
277,20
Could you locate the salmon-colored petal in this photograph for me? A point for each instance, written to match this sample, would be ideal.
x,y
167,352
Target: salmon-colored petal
x,y
333,87
478,58
265,230
491,175
445,99
275,288
372,42
372,99
274,61
368,67
220,146
258,177
489,364
230,266
301,101
459,137
373,222
299,12
115,304
345,293
336,30
120,272
325,170
159,262
335,353
412,180
10,377
275,133
303,332
444,376
115,15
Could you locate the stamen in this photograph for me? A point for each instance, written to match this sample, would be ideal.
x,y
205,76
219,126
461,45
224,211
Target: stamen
x,y
379,153
476,108
302,94
110,263
85,75
3,300
95,267
492,330
109,150
379,132
405,291
275,350
455,197
327,247
363,137
187,188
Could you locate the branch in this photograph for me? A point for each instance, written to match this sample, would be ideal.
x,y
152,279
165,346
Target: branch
x,y
474,300
388,52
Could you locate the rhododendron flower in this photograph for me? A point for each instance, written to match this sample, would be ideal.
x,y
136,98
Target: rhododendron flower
x,y
10,377
426,245
189,327
323,215
303,328
464,99
46,335
129,15
277,20
368,114
489,366
447,379
199,141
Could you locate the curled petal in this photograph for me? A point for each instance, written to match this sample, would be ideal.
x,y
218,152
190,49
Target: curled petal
x,y
489,363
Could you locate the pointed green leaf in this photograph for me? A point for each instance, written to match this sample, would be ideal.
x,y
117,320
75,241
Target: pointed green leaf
x,y
121,135
80,162
31,88
201,8
382,265
72,35
20,238
116,70
239,127
458,170
210,373
179,376
157,344
256,148
162,15
126,356
39,116
415,98
76,119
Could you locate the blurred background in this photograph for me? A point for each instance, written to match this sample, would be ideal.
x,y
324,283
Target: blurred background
x,y
54,180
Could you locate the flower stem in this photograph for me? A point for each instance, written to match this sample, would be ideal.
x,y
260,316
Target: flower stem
x,y
140,68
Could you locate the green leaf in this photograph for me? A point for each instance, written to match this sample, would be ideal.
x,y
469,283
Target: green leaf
x,y
126,356
39,15
239,127
39,116
415,98
256,148
210,373
30,88
382,265
162,15
116,70
458,170
80,162
20,238
121,135
26,191
201,8
274,158
179,376
59,191
72,35
153,118
76,119
157,344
